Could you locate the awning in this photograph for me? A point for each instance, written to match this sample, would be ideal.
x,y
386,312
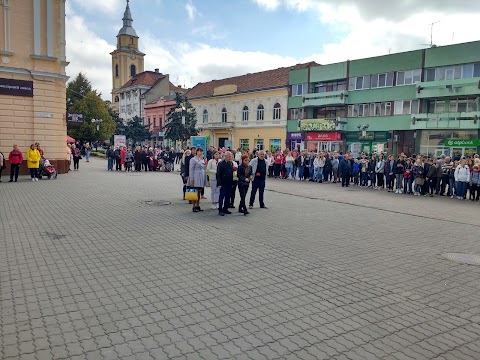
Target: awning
x,y
70,139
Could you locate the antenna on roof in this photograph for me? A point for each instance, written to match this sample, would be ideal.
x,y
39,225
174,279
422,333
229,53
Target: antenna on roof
x,y
432,45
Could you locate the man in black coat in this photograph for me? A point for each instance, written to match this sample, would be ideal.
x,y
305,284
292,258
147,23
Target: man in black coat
x,y
225,182
345,169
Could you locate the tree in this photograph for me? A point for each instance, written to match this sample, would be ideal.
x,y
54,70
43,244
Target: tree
x,y
174,129
92,107
77,89
136,130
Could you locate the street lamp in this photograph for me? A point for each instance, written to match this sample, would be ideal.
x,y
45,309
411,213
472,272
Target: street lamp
x,y
97,121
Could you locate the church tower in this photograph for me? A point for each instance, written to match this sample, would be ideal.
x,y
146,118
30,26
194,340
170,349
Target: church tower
x,y
127,60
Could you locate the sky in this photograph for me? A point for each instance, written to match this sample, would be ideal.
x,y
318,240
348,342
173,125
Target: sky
x,y
202,40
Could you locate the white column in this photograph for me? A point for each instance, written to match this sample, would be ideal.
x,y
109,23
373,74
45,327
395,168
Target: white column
x,y
36,26
61,33
49,28
6,24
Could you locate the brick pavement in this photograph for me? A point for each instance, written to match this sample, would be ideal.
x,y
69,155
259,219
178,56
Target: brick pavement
x,y
88,270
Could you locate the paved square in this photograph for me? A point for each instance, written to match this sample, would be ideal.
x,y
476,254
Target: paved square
x,y
90,270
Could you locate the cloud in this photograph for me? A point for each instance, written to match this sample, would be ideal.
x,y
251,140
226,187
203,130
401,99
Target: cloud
x,y
372,9
209,31
104,6
191,10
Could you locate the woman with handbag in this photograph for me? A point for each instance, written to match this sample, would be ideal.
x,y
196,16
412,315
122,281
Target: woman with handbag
x,y
197,178
418,172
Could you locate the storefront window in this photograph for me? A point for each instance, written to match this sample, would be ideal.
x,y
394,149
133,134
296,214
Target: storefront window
x,y
432,143
275,144
244,144
259,144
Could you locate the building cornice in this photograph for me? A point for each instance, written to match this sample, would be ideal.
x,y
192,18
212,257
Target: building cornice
x,y
12,70
239,92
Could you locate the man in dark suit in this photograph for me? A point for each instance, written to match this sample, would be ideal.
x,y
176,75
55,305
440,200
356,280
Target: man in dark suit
x,y
225,182
345,170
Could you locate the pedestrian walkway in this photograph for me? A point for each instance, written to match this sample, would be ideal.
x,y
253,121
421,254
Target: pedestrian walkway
x,y
108,265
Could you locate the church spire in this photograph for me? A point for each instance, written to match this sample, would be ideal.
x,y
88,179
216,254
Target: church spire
x,y
127,28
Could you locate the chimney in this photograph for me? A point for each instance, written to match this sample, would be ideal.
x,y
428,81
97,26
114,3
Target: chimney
x,y
157,70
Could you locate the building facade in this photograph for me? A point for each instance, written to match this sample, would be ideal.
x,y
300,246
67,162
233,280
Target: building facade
x,y
248,111
127,59
412,102
32,78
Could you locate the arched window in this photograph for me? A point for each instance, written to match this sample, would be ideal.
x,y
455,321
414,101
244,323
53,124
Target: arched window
x,y
131,41
117,99
133,70
245,113
116,70
277,111
205,116
224,115
260,112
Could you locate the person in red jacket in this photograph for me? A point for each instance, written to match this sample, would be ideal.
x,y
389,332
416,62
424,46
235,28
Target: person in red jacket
x,y
15,158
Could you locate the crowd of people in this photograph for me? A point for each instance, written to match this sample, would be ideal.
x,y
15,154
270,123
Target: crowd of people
x,y
140,158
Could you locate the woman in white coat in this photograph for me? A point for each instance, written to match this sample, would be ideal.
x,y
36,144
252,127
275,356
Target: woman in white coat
x,y
212,174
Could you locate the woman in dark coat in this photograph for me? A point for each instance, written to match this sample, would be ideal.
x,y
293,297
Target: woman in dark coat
x,y
137,158
243,173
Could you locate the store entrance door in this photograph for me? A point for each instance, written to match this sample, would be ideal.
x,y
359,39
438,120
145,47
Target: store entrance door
x,y
221,142
329,146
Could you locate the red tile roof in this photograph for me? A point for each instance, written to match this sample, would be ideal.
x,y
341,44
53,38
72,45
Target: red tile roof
x,y
261,80
146,78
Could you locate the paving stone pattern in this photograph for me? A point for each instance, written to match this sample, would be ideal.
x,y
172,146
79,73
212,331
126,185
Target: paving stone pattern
x,y
89,270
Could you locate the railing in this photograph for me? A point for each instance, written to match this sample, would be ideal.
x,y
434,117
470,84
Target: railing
x,y
325,98
448,88
465,120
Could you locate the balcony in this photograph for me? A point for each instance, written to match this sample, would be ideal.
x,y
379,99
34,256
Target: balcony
x,y
215,125
448,88
339,124
446,121
261,123
326,99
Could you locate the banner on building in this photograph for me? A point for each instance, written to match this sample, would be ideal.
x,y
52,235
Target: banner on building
x,y
199,142
119,141
317,124
75,118
462,142
16,87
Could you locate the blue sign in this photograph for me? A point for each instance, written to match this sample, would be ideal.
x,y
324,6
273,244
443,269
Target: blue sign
x,y
199,142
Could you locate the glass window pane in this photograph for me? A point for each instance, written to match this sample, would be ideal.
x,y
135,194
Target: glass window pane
x,y
351,83
388,108
439,74
374,83
476,70
462,105
408,77
355,110
400,77
382,80
431,106
359,84
453,105
415,106
390,79
382,109
378,109
366,82
372,109
430,75
341,86
398,107
449,74
439,106
467,71
417,75
457,72
406,107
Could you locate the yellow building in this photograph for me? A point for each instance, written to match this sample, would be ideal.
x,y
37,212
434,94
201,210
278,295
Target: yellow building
x,y
32,77
127,59
248,111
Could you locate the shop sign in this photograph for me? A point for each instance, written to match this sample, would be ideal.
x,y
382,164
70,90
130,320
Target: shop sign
x,y
119,141
199,142
16,87
317,124
462,143
324,136
369,135
74,117
382,135
296,136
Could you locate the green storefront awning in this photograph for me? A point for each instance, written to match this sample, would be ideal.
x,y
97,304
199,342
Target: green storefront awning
x,y
462,143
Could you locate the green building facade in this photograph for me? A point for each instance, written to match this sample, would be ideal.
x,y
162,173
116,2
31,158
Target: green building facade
x,y
423,101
